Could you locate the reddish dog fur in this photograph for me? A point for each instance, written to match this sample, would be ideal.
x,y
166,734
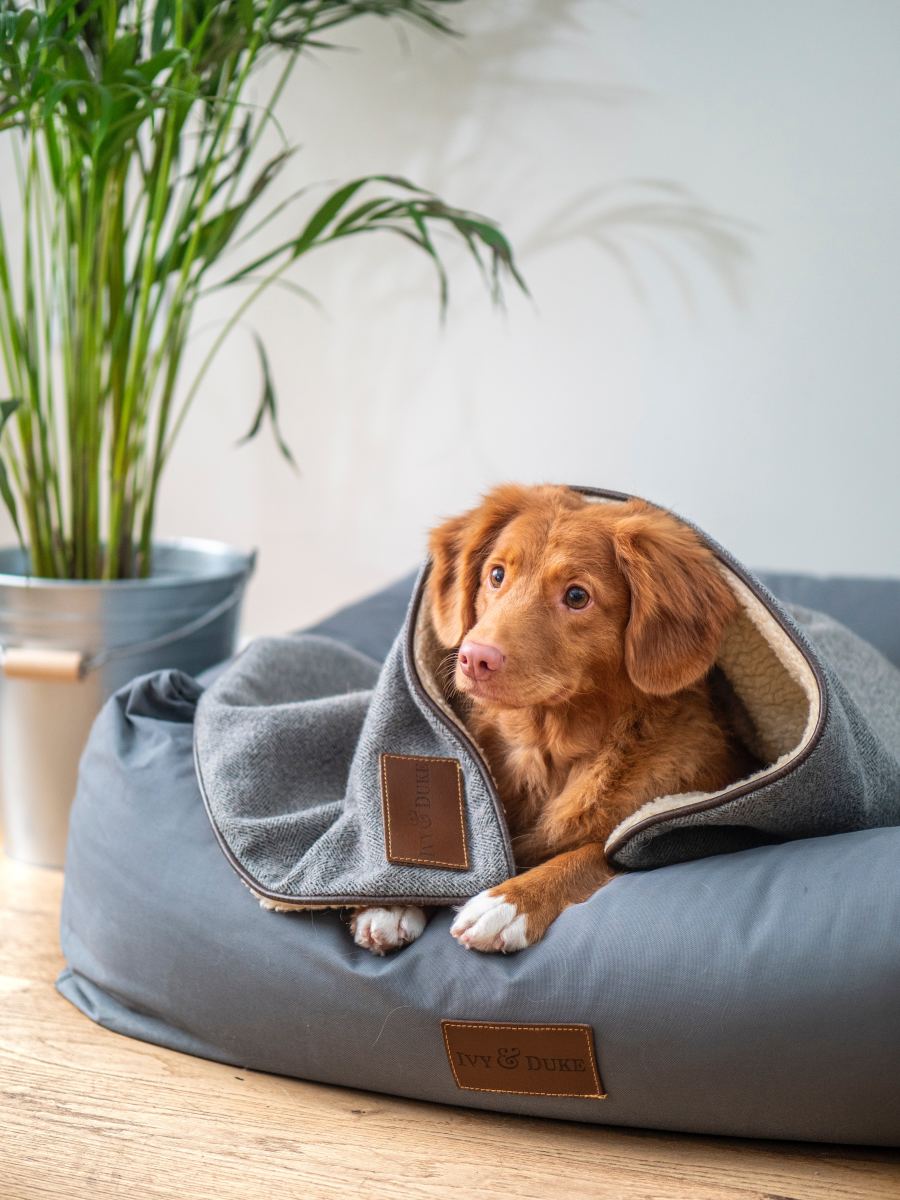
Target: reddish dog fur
x,y
596,708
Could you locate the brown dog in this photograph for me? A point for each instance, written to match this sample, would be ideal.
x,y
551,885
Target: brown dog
x,y
585,633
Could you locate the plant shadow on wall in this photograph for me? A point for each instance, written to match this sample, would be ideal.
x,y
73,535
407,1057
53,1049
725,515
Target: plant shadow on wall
x,y
136,169
470,92
508,107
653,216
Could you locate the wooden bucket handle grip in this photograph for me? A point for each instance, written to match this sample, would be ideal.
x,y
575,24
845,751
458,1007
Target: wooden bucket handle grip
x,y
51,666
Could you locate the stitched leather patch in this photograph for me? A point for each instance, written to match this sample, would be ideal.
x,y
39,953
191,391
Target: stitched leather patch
x,y
424,815
524,1060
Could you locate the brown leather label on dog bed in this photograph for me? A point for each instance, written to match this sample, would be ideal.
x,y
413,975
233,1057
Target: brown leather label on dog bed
x,y
525,1060
424,816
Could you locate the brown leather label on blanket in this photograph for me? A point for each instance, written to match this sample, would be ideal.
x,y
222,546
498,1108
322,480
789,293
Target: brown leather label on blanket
x,y
525,1060
424,814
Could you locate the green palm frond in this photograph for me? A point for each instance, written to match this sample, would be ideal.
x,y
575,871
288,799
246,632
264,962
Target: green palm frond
x,y
137,173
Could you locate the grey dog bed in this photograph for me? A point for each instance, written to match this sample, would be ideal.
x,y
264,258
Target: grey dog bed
x,y
753,993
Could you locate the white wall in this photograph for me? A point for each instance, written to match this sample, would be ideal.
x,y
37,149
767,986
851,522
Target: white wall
x,y
757,396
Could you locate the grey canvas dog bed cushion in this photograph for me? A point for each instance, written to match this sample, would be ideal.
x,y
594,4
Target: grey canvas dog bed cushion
x,y
753,994
323,774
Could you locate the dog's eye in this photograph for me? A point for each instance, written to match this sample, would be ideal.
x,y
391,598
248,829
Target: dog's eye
x,y
576,597
496,576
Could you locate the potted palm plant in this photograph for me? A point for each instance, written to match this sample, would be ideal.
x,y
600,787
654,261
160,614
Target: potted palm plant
x,y
131,180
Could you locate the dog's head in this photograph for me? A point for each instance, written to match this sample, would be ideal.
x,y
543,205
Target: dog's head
x,y
549,597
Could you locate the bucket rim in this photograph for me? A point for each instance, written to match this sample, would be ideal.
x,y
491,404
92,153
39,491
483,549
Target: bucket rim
x,y
240,564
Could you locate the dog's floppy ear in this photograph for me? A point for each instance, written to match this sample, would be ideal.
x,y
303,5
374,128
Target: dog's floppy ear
x,y
458,550
680,603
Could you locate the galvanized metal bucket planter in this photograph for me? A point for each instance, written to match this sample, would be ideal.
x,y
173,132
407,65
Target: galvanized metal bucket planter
x,y
66,646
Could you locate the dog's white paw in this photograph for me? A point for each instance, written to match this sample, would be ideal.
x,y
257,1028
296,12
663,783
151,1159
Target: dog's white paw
x,y
490,923
274,906
383,929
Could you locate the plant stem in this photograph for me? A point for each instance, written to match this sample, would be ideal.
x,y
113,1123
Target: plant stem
x,y
138,348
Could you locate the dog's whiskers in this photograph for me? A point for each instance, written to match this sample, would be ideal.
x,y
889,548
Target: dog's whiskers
x,y
446,668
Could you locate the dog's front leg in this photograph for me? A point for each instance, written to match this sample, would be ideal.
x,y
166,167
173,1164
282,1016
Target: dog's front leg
x,y
518,913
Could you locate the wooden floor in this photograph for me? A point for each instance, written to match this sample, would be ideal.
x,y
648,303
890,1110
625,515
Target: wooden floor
x,y
88,1114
